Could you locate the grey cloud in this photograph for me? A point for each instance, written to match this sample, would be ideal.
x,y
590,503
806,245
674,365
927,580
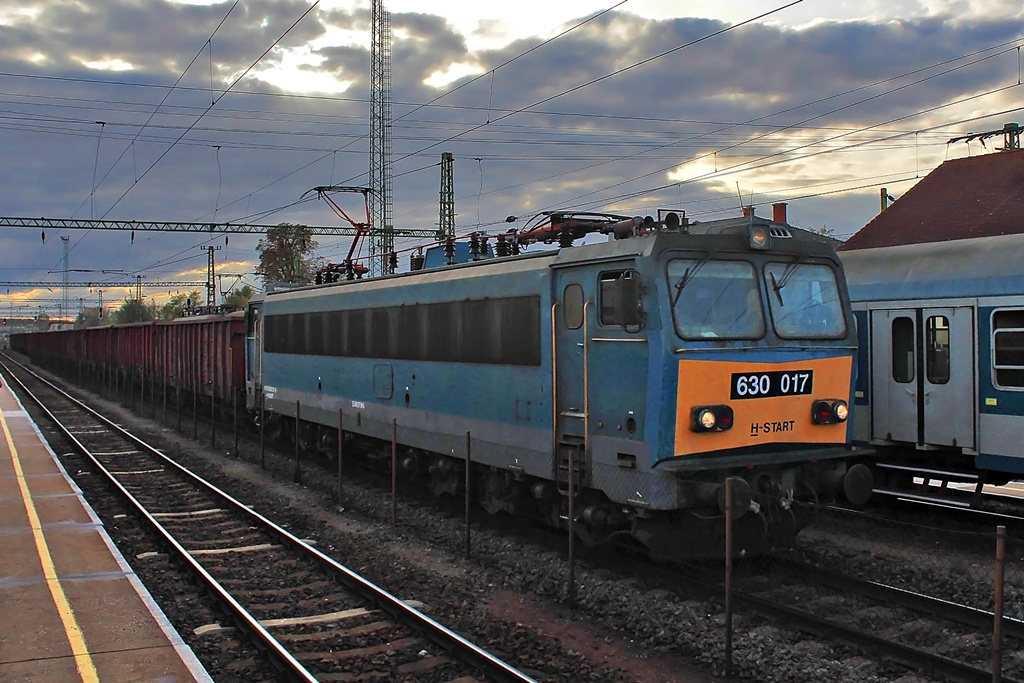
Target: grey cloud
x,y
620,133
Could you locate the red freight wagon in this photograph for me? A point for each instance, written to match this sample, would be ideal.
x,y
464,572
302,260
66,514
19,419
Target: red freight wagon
x,y
203,354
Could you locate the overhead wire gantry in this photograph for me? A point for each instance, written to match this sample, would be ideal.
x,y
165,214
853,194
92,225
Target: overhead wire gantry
x,y
178,226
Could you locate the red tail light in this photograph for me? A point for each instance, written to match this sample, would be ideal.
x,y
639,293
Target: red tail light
x,y
829,411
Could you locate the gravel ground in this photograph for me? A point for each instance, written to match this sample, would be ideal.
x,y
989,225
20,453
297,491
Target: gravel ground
x,y
510,596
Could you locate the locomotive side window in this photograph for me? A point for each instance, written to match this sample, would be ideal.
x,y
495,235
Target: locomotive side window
x,y
715,299
937,351
620,298
276,334
1008,340
572,306
315,333
503,331
903,350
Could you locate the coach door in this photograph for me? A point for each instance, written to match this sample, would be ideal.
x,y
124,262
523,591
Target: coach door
x,y
569,326
923,376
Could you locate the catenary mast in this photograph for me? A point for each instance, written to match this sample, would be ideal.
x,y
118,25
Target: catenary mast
x,y
383,237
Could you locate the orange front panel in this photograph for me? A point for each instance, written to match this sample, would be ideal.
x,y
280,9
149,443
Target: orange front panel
x,y
758,421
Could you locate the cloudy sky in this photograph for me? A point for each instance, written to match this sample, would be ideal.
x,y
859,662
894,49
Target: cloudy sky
x,y
164,110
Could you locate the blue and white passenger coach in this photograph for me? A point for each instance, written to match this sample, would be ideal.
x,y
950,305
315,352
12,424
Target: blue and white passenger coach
x,y
662,360
942,369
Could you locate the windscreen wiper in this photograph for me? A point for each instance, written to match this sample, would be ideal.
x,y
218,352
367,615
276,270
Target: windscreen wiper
x,y
787,274
687,276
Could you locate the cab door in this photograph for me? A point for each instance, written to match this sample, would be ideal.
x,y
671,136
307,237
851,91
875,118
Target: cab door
x,y
923,376
573,296
253,353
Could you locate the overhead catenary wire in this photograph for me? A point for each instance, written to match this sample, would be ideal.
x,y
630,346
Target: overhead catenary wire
x,y
158,107
212,104
532,49
610,75
761,118
674,184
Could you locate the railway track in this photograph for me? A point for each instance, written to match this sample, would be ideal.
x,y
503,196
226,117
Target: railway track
x,y
922,631
882,613
938,636
316,619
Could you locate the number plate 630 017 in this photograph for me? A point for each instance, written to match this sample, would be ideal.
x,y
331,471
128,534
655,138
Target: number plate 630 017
x,y
769,384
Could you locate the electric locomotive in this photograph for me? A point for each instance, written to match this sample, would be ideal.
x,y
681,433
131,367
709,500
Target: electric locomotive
x,y
660,362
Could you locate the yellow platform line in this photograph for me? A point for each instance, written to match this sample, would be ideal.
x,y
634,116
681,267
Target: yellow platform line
x,y
83,660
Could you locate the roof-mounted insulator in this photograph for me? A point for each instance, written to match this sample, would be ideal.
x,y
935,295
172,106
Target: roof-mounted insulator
x,y
565,238
417,260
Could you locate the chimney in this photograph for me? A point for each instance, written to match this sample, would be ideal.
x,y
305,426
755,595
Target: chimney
x,y
748,212
779,212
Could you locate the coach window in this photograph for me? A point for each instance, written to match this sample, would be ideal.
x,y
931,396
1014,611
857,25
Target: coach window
x,y
903,350
572,306
1008,352
937,353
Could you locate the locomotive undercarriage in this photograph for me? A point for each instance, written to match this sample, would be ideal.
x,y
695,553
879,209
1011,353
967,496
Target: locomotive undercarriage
x,y
769,504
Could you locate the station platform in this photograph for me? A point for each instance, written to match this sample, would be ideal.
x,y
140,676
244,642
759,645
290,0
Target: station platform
x,y
70,606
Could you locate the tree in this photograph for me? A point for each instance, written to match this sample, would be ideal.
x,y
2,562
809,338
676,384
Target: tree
x,y
134,311
286,255
240,297
176,305
89,317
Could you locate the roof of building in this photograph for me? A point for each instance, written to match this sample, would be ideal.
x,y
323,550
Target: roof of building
x,y
981,196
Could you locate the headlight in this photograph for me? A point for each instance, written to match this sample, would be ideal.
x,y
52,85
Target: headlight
x,y
711,418
829,411
758,237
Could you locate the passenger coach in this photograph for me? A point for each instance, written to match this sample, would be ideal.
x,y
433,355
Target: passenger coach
x,y
942,376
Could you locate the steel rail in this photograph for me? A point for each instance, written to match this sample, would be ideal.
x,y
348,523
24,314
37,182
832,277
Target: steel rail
x,y
918,602
498,670
237,612
904,653
973,515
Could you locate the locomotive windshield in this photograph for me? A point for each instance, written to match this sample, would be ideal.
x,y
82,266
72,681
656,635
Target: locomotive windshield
x,y
715,299
804,301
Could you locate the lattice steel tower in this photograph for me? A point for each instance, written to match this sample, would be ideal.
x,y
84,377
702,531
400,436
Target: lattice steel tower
x,y
383,237
446,218
64,284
